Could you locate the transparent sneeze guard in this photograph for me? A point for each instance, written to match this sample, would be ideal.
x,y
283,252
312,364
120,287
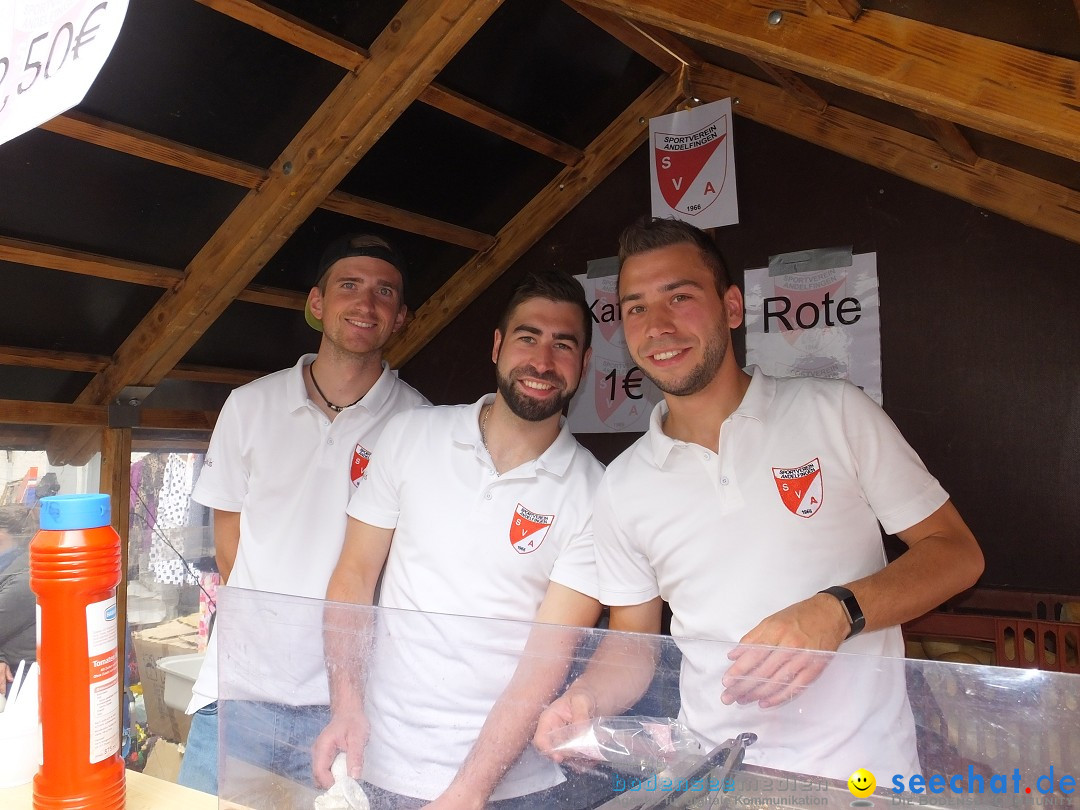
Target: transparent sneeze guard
x,y
869,731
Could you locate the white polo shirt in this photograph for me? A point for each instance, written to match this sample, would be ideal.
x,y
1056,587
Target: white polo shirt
x,y
289,471
790,506
469,542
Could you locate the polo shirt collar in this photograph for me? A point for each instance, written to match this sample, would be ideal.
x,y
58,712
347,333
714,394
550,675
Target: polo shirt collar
x,y
556,459
373,400
755,405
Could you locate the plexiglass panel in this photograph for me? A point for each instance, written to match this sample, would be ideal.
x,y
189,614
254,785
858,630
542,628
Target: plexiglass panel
x,y
918,733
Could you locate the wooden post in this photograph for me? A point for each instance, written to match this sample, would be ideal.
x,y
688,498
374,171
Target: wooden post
x,y
116,481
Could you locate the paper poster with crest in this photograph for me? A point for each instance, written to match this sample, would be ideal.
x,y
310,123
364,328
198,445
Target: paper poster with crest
x,y
614,395
693,166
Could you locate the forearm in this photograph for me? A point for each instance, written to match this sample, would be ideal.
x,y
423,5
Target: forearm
x,y
619,672
936,566
348,641
512,721
226,541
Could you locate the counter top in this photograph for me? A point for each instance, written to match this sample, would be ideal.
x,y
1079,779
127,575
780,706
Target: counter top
x,y
143,793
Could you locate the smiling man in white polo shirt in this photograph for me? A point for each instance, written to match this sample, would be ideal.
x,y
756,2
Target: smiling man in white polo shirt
x,y
287,452
476,510
752,506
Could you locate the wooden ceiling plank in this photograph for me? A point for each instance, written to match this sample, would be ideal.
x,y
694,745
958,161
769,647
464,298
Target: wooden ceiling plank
x,y
150,147
52,359
493,121
950,138
1004,90
212,374
405,58
845,9
160,150
1030,200
799,90
660,53
24,412
558,198
293,30
371,211
35,254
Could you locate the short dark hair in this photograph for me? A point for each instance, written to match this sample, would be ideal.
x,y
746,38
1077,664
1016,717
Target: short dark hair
x,y
651,233
553,285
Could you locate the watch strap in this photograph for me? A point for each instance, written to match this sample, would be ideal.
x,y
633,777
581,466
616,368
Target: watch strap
x,y
852,609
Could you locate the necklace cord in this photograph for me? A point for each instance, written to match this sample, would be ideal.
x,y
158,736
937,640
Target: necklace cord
x,y
329,404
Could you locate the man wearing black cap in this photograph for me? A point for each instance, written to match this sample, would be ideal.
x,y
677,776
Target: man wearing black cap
x,y
287,451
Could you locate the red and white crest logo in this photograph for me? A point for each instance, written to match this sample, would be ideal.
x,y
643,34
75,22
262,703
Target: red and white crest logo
x,y
360,458
528,530
691,169
800,487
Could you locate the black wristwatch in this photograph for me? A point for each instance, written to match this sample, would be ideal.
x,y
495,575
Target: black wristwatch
x,y
856,620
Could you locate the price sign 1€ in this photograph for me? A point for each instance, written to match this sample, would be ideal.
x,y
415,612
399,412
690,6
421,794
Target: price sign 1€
x,y
50,53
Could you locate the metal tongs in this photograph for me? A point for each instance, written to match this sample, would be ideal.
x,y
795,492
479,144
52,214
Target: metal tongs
x,y
717,766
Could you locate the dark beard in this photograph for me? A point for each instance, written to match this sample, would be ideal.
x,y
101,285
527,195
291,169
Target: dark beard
x,y
701,375
532,410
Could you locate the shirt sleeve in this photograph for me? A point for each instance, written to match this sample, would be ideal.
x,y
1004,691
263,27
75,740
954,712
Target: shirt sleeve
x,y
625,574
223,480
377,497
576,564
896,483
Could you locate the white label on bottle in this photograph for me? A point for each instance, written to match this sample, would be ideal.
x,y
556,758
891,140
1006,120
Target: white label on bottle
x,y
104,680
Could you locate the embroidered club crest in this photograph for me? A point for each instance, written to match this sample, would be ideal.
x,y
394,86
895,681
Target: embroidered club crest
x,y
800,488
528,530
360,458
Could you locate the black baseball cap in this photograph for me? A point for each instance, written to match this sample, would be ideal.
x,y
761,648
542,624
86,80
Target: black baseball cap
x,y
362,244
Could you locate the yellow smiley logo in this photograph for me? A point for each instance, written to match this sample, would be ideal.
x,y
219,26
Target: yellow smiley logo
x,y
861,783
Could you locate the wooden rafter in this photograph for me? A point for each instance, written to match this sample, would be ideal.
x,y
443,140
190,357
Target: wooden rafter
x,y
658,46
358,207
950,138
493,121
340,52
91,264
569,187
1007,91
297,32
94,363
846,9
160,150
1022,197
20,412
405,58
799,90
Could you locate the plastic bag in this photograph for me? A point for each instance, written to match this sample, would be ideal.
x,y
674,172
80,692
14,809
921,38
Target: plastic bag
x,y
630,744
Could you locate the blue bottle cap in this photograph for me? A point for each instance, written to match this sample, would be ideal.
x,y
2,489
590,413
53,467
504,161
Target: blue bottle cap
x,y
62,512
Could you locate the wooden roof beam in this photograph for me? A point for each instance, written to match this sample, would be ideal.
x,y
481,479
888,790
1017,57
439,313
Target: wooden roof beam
x,y
658,46
344,54
23,412
493,121
295,31
1038,203
950,138
35,254
406,56
799,90
1011,92
160,150
845,9
94,363
617,142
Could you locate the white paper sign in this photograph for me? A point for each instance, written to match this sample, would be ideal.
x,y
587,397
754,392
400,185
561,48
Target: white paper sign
x,y
614,396
50,53
824,323
693,166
